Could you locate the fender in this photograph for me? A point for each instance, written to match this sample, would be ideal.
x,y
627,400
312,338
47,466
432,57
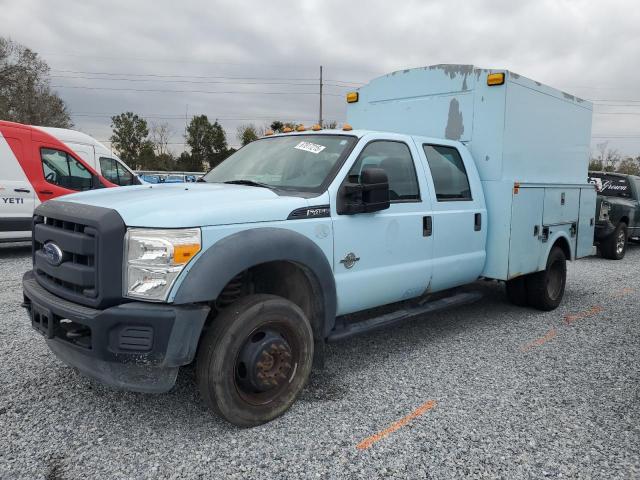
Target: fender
x,y
248,248
553,238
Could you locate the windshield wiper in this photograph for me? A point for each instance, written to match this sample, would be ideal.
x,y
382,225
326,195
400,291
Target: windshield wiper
x,y
250,183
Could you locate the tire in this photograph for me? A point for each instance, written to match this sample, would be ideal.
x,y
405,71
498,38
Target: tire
x,y
615,245
545,289
255,359
517,291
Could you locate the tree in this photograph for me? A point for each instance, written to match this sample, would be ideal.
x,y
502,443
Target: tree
x,y
247,133
277,126
607,158
160,135
330,125
130,137
630,166
25,92
147,157
207,142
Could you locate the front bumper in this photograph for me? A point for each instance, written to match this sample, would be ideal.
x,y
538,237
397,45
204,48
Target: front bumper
x,y
135,346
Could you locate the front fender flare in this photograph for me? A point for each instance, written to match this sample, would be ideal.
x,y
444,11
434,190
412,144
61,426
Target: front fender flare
x,y
242,250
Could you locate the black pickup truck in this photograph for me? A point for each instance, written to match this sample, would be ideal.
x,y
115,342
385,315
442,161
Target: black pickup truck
x,y
617,212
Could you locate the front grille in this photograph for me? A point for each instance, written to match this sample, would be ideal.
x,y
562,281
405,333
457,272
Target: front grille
x,y
90,238
76,274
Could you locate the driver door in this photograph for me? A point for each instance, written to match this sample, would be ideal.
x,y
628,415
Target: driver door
x,y
385,256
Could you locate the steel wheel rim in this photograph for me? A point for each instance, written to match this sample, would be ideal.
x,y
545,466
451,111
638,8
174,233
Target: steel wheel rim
x,y
554,280
620,241
273,350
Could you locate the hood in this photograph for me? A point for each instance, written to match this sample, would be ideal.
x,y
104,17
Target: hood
x,y
191,205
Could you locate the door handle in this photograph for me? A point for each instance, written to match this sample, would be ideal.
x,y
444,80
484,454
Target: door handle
x,y
21,190
477,222
46,192
427,226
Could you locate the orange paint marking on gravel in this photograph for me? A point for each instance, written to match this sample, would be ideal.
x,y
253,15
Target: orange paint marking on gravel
x,y
623,292
569,319
367,442
541,341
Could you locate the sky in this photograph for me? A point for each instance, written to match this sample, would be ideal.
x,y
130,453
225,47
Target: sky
x,y
253,62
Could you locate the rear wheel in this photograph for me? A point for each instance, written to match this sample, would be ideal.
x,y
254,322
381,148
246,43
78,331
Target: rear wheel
x,y
517,291
545,289
615,245
255,359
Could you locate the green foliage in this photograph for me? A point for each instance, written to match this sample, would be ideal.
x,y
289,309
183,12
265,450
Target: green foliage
x,y
129,137
277,126
630,166
595,165
208,143
25,92
247,134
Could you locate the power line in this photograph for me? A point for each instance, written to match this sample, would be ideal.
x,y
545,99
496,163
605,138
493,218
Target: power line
x,y
234,82
190,91
224,77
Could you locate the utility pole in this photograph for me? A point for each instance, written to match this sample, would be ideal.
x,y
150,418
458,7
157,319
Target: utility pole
x,y
320,120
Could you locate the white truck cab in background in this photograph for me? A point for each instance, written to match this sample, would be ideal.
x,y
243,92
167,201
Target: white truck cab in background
x,y
96,155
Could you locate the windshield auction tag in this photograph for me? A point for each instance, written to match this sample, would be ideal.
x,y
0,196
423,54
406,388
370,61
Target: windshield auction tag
x,y
310,147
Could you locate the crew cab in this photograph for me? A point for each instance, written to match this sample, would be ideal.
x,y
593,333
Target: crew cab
x,y
36,167
455,173
617,212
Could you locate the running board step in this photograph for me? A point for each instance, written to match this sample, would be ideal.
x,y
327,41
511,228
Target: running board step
x,y
350,329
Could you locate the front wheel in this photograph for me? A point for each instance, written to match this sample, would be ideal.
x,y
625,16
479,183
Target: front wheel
x,y
545,289
255,359
615,245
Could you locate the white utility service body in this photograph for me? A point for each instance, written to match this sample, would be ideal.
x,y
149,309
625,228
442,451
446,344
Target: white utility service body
x,y
530,144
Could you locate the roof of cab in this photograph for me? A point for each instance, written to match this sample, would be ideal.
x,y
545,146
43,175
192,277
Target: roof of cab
x,y
68,135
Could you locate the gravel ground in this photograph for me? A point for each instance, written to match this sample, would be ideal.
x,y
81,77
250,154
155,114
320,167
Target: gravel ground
x,y
518,394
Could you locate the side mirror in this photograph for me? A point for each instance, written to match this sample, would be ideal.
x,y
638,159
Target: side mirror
x,y
371,194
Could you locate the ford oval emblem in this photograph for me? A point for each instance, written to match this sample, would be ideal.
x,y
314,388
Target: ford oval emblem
x,y
52,253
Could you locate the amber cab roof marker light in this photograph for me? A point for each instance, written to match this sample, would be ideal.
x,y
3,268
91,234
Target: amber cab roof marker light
x,y
346,127
301,128
495,79
287,130
316,127
268,133
352,97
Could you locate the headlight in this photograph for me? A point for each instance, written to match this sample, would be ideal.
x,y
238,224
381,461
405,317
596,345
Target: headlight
x,y
604,210
154,258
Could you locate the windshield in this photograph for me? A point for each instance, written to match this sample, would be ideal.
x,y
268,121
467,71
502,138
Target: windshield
x,y
295,162
610,185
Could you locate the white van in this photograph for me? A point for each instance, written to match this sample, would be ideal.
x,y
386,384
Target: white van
x,y
96,154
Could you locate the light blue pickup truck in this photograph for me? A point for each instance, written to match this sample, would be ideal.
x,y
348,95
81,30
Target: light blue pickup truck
x,y
454,173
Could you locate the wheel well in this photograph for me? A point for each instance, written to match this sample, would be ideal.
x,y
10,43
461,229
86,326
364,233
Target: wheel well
x,y
624,220
286,279
564,245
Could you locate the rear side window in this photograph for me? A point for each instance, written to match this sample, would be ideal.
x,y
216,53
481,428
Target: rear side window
x,y
449,175
115,172
61,169
395,159
611,185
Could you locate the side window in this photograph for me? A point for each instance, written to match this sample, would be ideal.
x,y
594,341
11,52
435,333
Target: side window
x,y
109,170
61,169
124,176
115,172
449,175
395,159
